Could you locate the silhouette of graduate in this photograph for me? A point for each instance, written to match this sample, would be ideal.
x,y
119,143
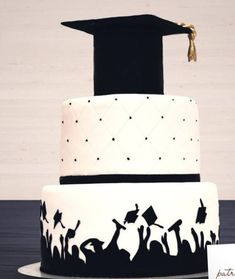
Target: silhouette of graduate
x,y
128,52
43,211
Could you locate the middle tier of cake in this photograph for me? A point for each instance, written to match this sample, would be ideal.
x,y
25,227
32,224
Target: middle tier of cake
x,y
130,134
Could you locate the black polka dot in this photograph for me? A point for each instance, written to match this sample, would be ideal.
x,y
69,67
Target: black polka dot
x,y
115,99
196,160
67,140
148,97
75,160
184,158
89,101
162,117
113,139
159,158
62,122
130,117
191,139
62,160
183,119
70,104
196,120
173,138
100,119
191,100
86,140
128,158
97,158
173,99
76,121
146,138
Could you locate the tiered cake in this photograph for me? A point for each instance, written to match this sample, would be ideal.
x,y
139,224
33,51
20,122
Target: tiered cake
x,y
135,205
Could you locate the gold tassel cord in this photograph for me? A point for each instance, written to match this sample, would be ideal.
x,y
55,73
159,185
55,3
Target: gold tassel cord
x,y
192,54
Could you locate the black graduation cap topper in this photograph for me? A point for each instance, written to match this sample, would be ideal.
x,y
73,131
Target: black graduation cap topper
x,y
128,52
201,213
151,217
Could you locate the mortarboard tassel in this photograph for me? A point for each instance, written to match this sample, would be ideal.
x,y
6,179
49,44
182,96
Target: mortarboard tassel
x,y
192,54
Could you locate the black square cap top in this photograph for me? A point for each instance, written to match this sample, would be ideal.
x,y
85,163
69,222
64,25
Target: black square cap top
x,y
124,24
128,52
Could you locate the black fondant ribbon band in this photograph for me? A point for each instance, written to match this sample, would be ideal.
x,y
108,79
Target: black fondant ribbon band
x,y
129,178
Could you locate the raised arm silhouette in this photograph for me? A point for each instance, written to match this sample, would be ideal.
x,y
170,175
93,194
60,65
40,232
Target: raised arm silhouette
x,y
142,251
113,243
176,228
165,243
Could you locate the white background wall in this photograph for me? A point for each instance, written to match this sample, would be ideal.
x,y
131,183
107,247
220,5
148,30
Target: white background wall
x,y
43,63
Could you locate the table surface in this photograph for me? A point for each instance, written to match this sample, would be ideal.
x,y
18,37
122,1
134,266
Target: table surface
x,y
19,234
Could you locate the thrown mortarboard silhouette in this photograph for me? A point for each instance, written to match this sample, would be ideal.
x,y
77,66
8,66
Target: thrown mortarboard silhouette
x,y
132,215
57,219
43,211
128,52
201,213
71,233
151,217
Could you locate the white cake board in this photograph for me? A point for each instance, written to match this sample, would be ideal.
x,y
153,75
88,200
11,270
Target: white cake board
x,y
34,271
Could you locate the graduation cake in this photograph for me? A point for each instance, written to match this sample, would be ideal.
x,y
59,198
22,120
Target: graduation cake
x,y
130,203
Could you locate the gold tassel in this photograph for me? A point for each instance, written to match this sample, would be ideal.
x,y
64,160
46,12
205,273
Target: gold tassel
x,y
192,54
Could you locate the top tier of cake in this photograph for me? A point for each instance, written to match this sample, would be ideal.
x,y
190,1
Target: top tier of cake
x,y
133,134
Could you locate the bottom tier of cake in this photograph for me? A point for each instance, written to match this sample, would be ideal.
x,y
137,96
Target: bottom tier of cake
x,y
128,229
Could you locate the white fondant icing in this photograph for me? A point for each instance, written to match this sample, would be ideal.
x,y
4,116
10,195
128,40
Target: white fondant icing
x,y
95,205
159,134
